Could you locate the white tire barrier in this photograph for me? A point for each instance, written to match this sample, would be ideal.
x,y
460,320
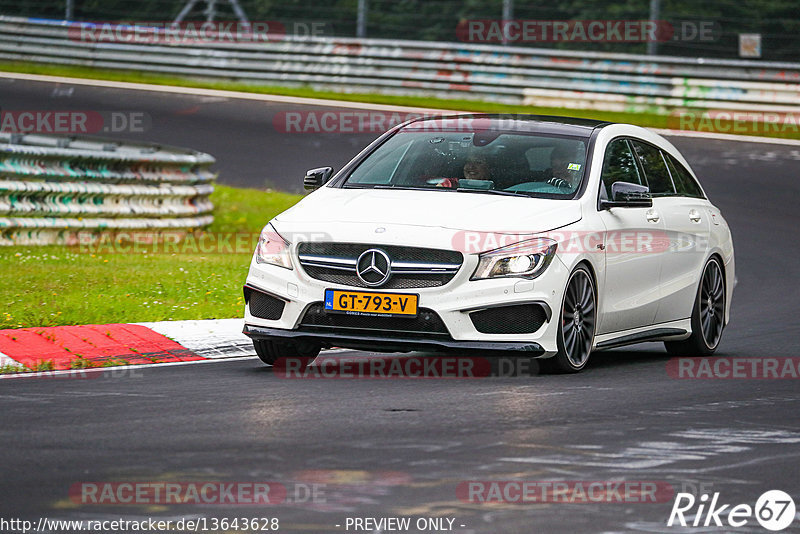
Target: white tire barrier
x,y
61,190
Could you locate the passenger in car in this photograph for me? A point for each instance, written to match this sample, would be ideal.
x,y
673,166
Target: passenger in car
x,y
477,168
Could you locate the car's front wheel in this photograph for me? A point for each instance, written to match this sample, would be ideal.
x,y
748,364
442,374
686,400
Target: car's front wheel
x,y
273,352
708,315
577,322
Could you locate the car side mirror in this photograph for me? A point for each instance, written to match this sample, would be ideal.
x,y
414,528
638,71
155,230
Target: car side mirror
x,y
316,178
628,195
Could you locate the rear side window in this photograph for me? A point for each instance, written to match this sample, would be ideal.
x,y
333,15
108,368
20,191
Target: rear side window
x,y
655,170
619,166
685,184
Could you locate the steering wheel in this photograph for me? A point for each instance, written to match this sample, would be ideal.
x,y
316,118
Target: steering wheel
x,y
559,182
442,181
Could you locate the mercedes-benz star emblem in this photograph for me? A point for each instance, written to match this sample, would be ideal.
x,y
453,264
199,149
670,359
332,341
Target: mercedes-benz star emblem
x,y
373,267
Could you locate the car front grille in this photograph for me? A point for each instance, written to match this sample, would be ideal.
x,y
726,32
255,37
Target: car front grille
x,y
411,267
426,323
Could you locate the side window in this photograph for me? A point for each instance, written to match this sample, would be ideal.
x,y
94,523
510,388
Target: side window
x,y
655,170
619,166
381,170
685,183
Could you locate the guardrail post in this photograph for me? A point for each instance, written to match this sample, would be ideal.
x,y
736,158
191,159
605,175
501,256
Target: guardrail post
x,y
508,14
655,10
361,20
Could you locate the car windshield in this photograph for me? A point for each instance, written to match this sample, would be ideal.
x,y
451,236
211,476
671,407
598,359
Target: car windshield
x,y
491,162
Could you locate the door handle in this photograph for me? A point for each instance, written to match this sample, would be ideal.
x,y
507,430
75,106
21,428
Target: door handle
x,y
653,216
694,216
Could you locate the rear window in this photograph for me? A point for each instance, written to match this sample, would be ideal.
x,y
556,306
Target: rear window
x,y
685,183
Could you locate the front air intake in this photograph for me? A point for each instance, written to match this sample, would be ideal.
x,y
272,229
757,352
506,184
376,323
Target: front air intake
x,y
512,319
262,305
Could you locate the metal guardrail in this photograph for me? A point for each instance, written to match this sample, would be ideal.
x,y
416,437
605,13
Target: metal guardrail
x,y
585,80
58,190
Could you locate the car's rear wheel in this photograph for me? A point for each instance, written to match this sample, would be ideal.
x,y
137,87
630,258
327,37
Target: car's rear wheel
x,y
577,322
708,315
276,352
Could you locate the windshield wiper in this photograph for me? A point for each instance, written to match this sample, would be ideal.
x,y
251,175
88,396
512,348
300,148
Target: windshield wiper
x,y
408,187
492,192
459,189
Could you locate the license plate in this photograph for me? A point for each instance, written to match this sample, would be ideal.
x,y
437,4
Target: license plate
x,y
368,303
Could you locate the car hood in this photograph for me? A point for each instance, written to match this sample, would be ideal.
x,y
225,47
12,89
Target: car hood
x,y
443,209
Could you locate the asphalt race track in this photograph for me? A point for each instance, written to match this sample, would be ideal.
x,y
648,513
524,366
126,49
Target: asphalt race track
x,y
383,448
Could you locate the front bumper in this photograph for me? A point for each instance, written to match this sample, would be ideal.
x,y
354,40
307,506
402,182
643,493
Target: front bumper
x,y
452,302
369,342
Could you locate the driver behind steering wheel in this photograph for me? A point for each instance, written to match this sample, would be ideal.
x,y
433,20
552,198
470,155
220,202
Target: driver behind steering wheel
x,y
561,175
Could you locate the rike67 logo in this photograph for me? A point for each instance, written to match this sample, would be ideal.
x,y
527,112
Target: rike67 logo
x,y
774,510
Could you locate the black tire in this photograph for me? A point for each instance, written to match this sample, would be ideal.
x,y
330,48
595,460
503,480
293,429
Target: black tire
x,y
708,315
273,352
578,321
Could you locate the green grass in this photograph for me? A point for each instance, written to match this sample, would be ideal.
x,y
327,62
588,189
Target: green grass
x,y
247,210
58,285
12,368
82,363
45,366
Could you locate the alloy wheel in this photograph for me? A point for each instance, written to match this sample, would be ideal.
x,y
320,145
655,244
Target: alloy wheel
x,y
578,318
712,304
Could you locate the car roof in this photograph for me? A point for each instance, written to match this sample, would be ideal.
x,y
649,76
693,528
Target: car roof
x,y
509,122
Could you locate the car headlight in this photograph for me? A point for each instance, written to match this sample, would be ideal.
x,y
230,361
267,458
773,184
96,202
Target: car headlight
x,y
272,248
526,259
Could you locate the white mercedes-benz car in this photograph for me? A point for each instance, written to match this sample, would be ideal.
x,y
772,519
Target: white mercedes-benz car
x,y
550,237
